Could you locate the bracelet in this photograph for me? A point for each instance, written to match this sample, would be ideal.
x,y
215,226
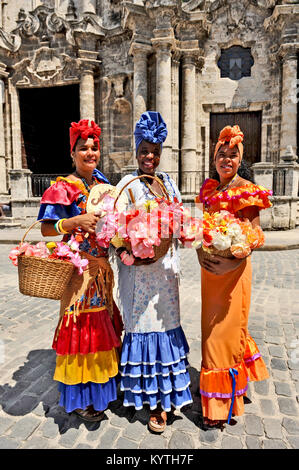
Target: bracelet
x,y
58,227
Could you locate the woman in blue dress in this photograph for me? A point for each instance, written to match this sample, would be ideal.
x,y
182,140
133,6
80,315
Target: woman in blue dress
x,y
153,364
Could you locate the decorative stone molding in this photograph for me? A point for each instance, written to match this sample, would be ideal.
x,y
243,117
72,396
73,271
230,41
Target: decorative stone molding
x,y
191,53
193,26
288,51
281,16
44,23
236,12
40,22
9,42
47,67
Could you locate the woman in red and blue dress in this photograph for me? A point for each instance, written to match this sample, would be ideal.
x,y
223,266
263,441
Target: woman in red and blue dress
x,y
87,337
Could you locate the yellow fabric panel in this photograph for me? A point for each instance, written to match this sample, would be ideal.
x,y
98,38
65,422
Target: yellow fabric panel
x,y
96,367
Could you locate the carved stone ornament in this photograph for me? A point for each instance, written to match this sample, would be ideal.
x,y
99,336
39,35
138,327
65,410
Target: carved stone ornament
x,y
47,68
42,22
10,42
237,13
89,24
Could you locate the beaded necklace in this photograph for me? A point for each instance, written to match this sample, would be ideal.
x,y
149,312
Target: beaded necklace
x,y
148,185
228,184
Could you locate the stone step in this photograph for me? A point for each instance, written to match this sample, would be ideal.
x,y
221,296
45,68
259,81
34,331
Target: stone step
x,y
7,223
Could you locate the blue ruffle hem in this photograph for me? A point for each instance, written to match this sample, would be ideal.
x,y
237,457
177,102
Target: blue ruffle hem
x,y
153,369
82,395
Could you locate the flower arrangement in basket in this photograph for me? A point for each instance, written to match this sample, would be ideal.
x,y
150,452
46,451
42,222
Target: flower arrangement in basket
x,y
226,235
146,230
46,268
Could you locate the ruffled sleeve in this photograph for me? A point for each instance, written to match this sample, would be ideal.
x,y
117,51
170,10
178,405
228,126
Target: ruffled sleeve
x,y
249,195
235,199
59,201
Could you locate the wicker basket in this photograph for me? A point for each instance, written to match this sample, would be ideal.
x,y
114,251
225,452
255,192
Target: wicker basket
x,y
165,244
43,277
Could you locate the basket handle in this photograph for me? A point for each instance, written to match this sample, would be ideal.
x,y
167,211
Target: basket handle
x,y
139,177
28,230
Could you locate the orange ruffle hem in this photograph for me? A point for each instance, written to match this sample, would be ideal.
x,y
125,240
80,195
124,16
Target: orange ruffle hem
x,y
216,385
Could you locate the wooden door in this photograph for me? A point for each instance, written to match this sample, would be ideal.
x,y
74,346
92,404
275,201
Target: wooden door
x,y
250,125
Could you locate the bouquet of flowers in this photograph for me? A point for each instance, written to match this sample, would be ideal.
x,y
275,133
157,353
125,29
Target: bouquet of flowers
x,y
52,250
146,230
228,236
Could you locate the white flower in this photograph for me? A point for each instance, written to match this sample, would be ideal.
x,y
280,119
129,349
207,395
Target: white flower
x,y
234,231
221,242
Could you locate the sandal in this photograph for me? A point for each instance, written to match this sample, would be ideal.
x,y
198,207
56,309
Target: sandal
x,y
157,421
213,424
89,414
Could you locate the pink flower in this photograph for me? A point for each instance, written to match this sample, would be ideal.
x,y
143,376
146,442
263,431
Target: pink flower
x,y
13,256
127,258
106,229
62,249
73,244
141,251
78,262
30,251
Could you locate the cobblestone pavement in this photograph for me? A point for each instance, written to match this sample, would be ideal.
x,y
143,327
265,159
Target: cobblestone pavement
x,y
31,418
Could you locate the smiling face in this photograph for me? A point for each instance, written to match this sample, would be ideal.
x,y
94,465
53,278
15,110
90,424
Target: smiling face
x,y
227,162
86,156
148,157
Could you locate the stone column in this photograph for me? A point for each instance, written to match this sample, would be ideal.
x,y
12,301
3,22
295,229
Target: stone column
x,y
175,114
290,95
189,162
3,179
16,128
263,175
140,53
87,105
163,48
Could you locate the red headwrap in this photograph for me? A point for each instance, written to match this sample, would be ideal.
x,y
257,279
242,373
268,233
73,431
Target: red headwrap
x,y
233,135
82,129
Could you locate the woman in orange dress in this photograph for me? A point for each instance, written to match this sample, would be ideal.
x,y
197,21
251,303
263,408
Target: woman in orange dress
x,y
230,357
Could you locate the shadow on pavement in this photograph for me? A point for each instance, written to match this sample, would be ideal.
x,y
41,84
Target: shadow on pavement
x,y
35,385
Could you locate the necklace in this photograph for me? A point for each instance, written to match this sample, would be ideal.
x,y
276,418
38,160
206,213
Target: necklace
x,y
228,184
160,196
148,185
86,185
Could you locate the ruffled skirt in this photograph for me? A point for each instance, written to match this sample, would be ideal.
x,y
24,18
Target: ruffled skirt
x,y
87,346
153,369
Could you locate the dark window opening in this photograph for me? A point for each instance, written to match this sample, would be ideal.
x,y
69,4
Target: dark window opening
x,y
235,62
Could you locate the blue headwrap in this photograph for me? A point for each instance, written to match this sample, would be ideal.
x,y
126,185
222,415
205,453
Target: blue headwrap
x,y
150,127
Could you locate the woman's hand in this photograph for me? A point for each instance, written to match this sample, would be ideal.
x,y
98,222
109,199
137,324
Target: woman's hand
x,y
218,265
87,222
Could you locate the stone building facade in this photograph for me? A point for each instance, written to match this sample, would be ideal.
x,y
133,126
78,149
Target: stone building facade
x,y
201,63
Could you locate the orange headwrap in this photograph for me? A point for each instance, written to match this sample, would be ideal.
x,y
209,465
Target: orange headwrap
x,y
233,135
